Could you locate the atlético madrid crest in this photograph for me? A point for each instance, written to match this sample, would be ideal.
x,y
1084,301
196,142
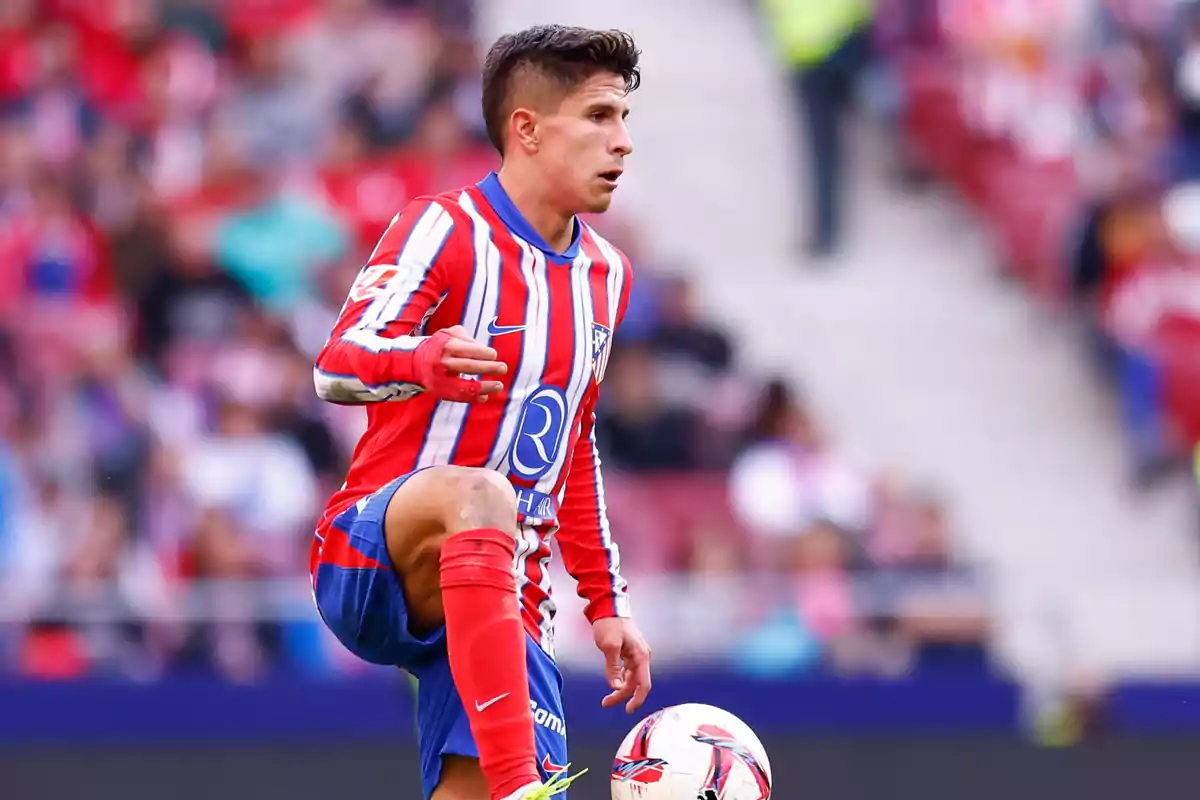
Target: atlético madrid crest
x,y
601,344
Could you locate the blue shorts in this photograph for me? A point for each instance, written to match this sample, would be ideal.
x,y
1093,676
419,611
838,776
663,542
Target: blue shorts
x,y
359,597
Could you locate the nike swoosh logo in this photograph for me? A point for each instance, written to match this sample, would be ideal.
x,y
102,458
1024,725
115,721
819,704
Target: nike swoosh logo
x,y
489,703
499,330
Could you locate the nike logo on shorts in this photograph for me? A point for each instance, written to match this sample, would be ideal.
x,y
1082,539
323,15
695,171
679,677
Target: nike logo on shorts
x,y
484,706
499,330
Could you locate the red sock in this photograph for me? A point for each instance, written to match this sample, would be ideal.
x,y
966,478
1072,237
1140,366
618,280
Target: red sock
x,y
486,643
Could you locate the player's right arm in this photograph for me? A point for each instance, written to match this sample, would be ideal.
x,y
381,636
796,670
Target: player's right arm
x,y
379,350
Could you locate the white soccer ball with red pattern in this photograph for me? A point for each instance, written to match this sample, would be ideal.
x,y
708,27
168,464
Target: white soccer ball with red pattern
x,y
691,752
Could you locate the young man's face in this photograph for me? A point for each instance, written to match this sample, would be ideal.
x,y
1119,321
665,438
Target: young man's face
x,y
583,143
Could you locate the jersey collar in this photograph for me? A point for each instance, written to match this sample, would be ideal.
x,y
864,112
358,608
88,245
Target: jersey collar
x,y
515,221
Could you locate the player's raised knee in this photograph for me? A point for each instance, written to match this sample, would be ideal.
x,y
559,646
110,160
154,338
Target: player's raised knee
x,y
478,498
481,542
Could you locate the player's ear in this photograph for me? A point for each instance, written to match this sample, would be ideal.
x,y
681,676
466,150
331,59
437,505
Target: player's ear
x,y
523,130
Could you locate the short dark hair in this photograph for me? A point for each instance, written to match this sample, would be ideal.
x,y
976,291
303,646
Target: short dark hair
x,y
566,55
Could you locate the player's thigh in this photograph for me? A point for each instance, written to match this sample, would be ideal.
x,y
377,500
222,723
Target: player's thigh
x,y
430,506
461,779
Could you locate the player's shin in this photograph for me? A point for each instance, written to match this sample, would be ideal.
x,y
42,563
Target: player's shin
x,y
486,644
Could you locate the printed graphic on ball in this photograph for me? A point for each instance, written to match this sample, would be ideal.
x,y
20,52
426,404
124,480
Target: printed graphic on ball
x,y
691,752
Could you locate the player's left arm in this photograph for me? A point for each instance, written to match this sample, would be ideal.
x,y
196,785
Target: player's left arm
x,y
594,559
588,550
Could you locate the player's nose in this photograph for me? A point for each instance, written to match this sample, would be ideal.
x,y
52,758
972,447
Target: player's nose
x,y
621,144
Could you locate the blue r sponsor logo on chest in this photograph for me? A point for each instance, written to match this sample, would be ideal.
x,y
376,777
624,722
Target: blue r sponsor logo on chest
x,y
541,428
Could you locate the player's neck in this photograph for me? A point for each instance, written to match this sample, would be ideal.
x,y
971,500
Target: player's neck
x,y
556,228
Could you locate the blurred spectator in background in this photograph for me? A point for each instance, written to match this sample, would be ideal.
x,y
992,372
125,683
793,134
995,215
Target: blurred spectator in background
x,y
922,592
18,56
56,249
275,240
1139,251
442,154
188,300
696,369
635,428
692,352
275,113
874,584
382,61
255,494
362,187
62,117
1186,88
826,46
789,475
902,32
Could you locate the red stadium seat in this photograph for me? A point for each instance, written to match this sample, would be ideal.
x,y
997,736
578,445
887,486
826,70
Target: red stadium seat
x,y
657,518
1030,208
1178,342
932,122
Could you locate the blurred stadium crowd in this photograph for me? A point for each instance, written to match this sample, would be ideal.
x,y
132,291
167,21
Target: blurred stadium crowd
x,y
187,189
1073,130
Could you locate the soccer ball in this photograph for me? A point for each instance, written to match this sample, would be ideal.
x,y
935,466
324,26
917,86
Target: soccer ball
x,y
691,752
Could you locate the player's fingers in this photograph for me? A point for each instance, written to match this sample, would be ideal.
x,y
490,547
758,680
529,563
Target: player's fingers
x,y
459,390
610,646
472,366
614,671
641,684
458,332
618,696
466,348
487,388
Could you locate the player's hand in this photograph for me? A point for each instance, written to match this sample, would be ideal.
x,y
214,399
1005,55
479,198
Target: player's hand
x,y
626,662
452,366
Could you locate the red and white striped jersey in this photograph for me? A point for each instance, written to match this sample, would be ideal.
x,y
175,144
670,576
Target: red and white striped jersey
x,y
470,258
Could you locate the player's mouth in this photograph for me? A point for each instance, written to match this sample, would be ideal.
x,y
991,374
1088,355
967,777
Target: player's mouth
x,y
611,177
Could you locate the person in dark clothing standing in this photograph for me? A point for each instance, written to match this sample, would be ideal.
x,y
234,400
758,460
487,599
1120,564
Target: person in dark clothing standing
x,y
825,45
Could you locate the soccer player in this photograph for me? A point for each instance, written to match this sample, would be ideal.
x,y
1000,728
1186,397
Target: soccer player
x,y
477,337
